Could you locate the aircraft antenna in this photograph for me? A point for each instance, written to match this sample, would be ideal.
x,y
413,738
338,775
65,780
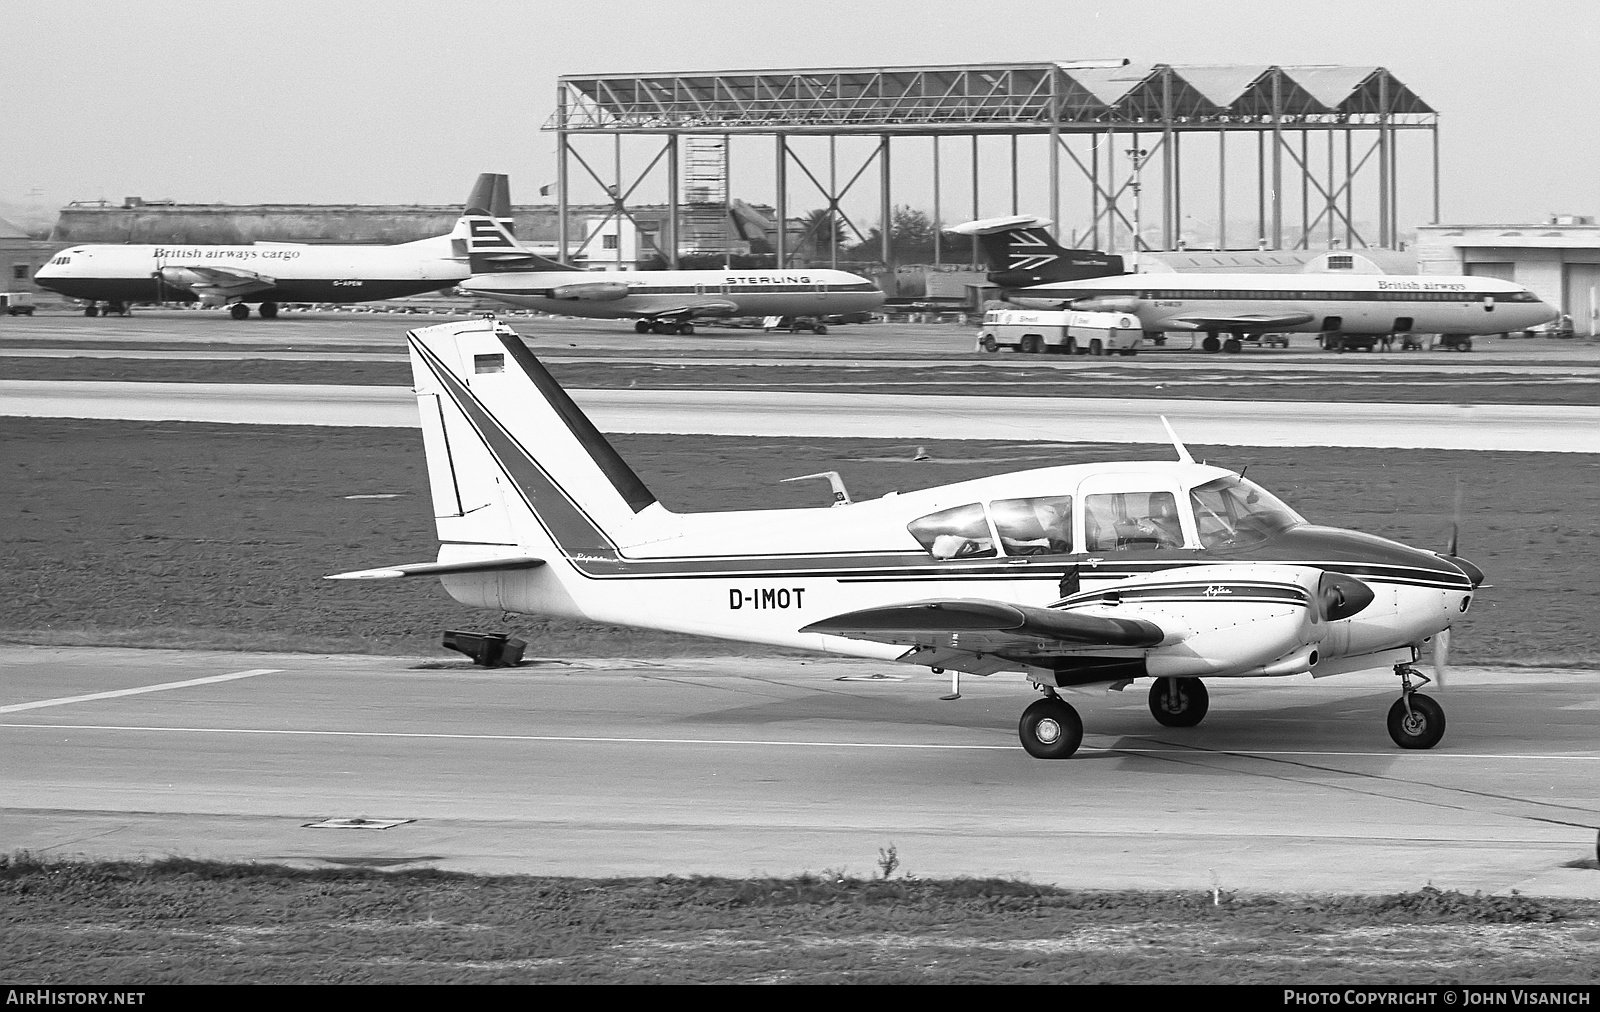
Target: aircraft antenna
x,y
1177,444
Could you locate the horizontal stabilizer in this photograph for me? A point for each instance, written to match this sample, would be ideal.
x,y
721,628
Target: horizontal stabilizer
x,y
989,226
897,623
440,569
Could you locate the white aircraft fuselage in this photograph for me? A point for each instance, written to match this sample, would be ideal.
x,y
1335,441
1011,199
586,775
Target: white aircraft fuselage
x,y
1302,303
262,272
699,294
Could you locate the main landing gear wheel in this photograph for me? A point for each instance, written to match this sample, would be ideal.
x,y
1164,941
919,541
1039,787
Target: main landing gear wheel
x,y
268,310
641,326
91,310
686,328
239,311
1232,345
1179,702
1050,729
1211,343
1415,720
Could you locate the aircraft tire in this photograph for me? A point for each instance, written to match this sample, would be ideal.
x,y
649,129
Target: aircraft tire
x,y
686,328
1185,706
239,311
1232,346
1421,727
641,326
268,310
1050,729
819,329
1210,344
91,310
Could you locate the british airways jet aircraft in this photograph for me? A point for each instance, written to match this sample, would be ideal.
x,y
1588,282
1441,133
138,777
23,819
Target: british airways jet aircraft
x,y
661,302
1077,575
1037,272
111,277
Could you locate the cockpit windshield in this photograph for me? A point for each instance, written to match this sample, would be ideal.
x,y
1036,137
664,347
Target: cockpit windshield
x,y
1231,512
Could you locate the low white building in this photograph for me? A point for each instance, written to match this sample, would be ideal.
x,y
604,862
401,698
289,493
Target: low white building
x,y
1559,261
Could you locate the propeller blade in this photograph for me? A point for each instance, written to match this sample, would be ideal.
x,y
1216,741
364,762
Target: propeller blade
x,y
1455,537
1441,656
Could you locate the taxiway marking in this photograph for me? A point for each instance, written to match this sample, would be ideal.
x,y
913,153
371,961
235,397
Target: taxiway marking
x,y
596,739
209,679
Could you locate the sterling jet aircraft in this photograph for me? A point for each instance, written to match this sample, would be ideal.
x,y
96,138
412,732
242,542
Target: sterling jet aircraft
x,y
266,273
1073,575
660,302
1038,273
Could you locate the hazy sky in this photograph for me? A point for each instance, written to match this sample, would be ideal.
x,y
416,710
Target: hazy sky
x,y
403,101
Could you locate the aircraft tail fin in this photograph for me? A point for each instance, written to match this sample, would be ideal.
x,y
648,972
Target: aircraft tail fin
x,y
490,248
1020,251
492,193
514,465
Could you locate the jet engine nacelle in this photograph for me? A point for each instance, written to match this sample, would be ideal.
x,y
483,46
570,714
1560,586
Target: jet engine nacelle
x,y
1108,304
592,291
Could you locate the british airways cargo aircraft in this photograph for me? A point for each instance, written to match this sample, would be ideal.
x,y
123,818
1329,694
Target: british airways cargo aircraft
x,y
112,277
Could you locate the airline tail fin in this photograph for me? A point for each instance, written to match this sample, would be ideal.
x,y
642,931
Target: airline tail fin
x,y
514,465
490,248
1020,252
492,191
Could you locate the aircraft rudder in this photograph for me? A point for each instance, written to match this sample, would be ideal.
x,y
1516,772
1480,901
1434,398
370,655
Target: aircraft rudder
x,y
506,428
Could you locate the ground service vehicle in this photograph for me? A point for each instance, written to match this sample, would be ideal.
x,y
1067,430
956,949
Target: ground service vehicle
x,y
17,303
1062,332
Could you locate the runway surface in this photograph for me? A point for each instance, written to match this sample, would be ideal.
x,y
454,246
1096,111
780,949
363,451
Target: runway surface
x,y
783,765
1515,427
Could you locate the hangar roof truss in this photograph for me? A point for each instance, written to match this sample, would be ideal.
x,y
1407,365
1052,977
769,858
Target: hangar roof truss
x,y
985,98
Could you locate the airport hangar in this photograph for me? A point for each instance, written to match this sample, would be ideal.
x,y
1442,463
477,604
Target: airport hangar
x,y
1085,113
1559,260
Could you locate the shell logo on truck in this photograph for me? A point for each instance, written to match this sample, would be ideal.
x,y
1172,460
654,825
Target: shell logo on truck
x,y
1061,332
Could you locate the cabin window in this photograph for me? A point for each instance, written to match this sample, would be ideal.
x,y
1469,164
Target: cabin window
x,y
1341,262
1120,521
959,533
1038,526
1231,512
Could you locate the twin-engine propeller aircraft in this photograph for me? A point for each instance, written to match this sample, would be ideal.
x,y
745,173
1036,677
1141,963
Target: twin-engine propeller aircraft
x,y
659,302
1074,575
1035,271
111,278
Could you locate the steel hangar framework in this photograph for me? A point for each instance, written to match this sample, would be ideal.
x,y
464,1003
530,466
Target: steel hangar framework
x,y
1092,112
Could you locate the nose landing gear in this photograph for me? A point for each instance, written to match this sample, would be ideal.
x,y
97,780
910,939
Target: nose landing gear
x,y
1415,720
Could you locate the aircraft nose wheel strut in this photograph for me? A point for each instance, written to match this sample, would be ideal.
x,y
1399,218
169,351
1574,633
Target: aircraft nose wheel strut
x,y
1050,728
1415,720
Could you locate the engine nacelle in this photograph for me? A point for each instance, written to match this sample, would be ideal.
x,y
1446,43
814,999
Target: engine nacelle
x,y
593,291
1108,304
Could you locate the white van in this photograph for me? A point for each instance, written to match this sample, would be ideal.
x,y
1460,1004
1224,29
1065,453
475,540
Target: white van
x,y
1062,332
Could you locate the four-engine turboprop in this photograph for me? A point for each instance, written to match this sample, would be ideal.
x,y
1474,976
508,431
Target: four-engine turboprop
x,y
1037,272
1073,575
266,273
661,302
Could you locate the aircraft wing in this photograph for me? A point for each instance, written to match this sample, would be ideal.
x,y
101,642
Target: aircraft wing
x,y
227,282
988,627
680,306
1243,321
440,569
